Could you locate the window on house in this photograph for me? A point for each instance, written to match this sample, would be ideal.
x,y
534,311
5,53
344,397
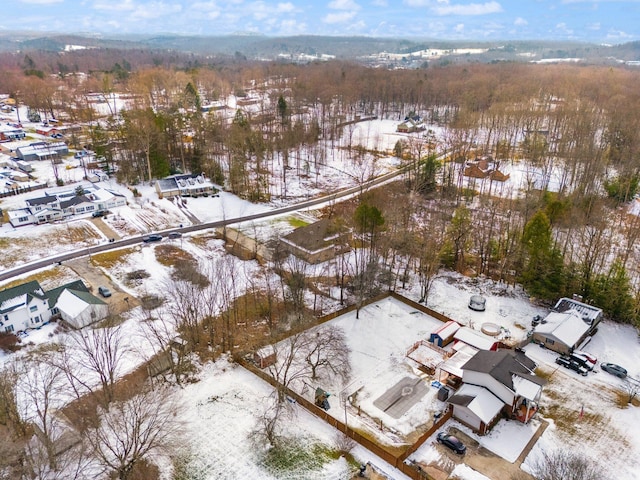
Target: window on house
x,y
36,319
80,209
8,328
549,341
33,308
6,317
23,219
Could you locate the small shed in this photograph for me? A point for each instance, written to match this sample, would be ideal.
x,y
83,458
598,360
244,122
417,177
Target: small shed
x,y
265,357
444,335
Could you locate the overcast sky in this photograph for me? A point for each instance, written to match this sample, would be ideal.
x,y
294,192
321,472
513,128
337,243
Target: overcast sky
x,y
607,21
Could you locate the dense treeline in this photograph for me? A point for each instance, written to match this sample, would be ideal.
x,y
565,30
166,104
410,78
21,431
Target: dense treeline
x,y
573,130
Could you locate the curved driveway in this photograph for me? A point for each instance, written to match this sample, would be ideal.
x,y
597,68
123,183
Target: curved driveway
x,y
203,226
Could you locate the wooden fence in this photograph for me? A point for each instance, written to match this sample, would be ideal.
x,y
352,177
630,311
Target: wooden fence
x,y
398,461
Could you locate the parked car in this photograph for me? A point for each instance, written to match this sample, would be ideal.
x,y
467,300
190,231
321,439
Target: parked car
x,y
451,442
104,291
568,362
99,213
590,357
614,369
152,238
175,235
582,360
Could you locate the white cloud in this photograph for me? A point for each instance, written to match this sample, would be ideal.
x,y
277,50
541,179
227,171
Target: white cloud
x,y
467,9
338,17
380,3
593,26
520,21
121,6
459,28
344,5
155,10
563,28
41,2
291,27
285,7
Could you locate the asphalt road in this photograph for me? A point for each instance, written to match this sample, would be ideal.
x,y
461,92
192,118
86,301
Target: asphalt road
x,y
7,274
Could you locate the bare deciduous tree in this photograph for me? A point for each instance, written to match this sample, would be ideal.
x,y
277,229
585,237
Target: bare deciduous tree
x,y
327,353
133,429
310,355
565,465
91,353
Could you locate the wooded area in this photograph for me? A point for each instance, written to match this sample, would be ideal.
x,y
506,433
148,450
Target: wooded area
x,y
577,124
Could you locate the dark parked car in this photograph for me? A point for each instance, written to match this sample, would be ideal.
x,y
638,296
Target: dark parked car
x,y
104,291
175,235
99,213
582,360
152,238
451,442
568,362
614,369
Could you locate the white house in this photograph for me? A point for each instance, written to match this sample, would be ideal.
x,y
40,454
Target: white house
x,y
60,204
28,306
76,305
23,307
507,376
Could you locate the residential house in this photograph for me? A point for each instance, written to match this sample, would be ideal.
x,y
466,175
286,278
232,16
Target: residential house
x,y
9,133
28,306
23,307
188,185
42,151
76,305
567,326
60,204
495,384
485,167
411,124
318,242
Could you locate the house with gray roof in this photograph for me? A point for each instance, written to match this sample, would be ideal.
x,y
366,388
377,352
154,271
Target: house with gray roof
x,y
318,242
62,203
185,185
42,151
567,326
497,384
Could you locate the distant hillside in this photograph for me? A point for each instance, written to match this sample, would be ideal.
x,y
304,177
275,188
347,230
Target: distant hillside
x,y
263,47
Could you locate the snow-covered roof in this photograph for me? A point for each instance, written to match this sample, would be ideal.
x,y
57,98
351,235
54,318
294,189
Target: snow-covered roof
x,y
447,330
588,313
474,338
484,404
567,327
525,387
453,364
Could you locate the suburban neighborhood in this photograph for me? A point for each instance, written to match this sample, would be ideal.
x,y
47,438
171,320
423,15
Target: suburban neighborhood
x,y
239,274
